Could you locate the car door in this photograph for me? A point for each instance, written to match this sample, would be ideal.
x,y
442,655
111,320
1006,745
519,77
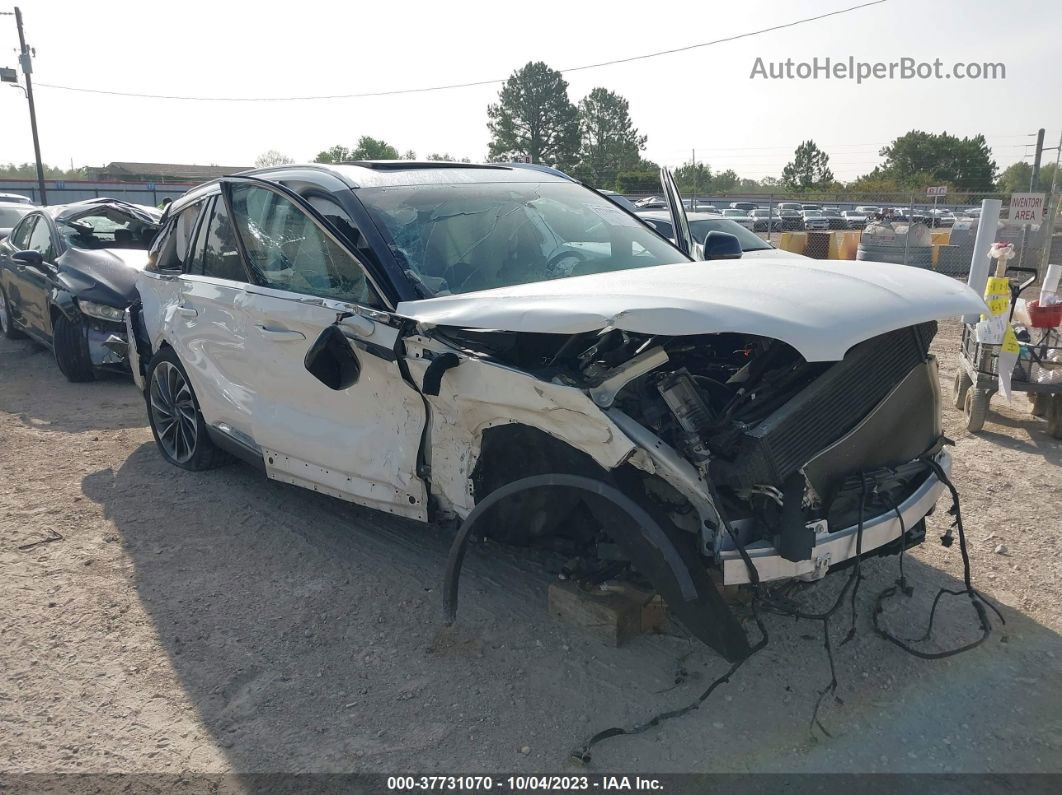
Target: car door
x,y
16,241
30,285
353,433
203,322
679,222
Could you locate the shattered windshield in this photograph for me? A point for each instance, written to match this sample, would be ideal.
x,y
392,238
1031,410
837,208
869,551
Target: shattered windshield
x,y
107,227
462,238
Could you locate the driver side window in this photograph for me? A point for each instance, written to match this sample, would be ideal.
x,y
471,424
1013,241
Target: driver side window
x,y
287,250
20,237
41,240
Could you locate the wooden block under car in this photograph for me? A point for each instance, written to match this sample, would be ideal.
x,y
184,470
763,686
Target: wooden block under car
x,y
614,615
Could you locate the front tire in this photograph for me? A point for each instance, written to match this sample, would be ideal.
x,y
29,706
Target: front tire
x,y
975,409
176,421
70,345
960,387
7,324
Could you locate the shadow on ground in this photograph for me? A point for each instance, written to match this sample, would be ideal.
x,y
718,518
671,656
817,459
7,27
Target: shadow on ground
x,y
114,401
307,634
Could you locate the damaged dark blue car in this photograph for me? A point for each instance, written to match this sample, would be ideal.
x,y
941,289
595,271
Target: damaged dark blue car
x,y
67,274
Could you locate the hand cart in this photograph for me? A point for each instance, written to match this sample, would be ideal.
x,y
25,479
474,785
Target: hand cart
x,y
977,376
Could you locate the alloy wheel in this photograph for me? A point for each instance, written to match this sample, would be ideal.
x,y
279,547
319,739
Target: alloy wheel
x,y
173,412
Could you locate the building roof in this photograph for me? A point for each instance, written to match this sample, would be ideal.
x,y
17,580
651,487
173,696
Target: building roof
x,y
161,172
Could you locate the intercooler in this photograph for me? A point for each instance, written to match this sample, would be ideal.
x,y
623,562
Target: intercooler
x,y
830,407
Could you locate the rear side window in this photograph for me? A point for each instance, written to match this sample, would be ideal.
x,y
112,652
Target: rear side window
x,y
287,250
216,253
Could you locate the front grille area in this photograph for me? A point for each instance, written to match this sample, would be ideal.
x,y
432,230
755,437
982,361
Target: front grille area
x,y
825,410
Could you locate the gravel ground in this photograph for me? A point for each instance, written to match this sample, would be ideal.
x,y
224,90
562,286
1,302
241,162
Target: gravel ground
x,y
220,622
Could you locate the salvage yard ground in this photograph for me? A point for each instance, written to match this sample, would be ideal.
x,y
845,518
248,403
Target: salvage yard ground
x,y
217,621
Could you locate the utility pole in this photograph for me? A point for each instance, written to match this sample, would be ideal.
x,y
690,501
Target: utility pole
x,y
26,62
1034,179
1048,228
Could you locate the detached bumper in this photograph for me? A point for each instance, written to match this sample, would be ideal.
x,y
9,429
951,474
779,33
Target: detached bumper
x,y
833,548
108,346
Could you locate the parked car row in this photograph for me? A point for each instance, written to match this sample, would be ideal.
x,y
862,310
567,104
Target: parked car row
x,y
780,217
502,346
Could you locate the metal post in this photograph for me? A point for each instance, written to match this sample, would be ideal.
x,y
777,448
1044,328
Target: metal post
x,y
910,220
1034,178
987,226
1048,228
27,69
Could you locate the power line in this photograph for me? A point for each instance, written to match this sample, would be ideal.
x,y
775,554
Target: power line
x,y
471,84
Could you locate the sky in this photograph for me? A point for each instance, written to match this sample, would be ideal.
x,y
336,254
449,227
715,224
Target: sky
x,y
701,100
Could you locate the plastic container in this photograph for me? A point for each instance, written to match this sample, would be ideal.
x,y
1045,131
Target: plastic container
x,y
1044,316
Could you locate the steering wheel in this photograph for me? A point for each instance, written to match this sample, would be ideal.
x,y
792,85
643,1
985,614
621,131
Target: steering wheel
x,y
559,263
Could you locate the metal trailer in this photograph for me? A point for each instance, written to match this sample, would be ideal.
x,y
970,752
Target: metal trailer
x,y
977,376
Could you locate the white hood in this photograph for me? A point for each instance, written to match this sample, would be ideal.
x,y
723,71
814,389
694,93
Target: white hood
x,y
821,308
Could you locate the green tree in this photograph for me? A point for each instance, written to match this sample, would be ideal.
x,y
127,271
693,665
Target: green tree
x,y
370,148
409,154
808,170
29,171
533,116
272,158
1015,177
335,154
610,143
963,164
725,180
693,177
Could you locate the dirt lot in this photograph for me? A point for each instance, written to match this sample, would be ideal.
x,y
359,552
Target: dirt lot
x,y
221,622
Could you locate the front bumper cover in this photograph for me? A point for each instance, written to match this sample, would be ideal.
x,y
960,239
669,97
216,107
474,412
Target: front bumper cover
x,y
830,549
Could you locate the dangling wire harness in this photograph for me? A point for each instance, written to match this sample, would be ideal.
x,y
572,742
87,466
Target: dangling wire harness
x,y
851,587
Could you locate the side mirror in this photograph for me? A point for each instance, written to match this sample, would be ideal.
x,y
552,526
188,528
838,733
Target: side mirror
x,y
31,258
721,245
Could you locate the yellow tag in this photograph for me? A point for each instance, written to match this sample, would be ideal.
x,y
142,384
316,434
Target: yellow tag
x,y
998,306
997,287
1010,342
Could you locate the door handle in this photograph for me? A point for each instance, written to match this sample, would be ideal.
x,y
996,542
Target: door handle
x,y
187,311
281,335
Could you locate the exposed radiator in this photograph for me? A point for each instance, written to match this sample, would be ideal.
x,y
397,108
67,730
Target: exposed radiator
x,y
825,410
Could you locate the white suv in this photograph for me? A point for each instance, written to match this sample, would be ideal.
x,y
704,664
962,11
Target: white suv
x,y
426,338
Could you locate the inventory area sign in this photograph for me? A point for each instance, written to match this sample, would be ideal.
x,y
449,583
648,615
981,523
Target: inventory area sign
x,y
1026,208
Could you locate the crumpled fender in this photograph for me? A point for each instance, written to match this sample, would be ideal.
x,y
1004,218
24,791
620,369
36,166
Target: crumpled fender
x,y
64,301
653,546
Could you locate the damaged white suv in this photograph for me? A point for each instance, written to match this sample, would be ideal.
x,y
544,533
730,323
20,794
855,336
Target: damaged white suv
x,y
423,338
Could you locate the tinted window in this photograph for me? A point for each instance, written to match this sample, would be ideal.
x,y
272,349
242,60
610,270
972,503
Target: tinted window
x,y
171,248
287,250
476,236
41,240
749,240
20,236
663,227
216,252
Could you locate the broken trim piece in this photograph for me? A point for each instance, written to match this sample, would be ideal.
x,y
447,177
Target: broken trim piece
x,y
680,580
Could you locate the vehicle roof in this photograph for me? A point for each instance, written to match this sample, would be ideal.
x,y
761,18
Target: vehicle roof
x,y
64,212
357,174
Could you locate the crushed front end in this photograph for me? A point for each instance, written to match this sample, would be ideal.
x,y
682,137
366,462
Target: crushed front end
x,y
793,457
